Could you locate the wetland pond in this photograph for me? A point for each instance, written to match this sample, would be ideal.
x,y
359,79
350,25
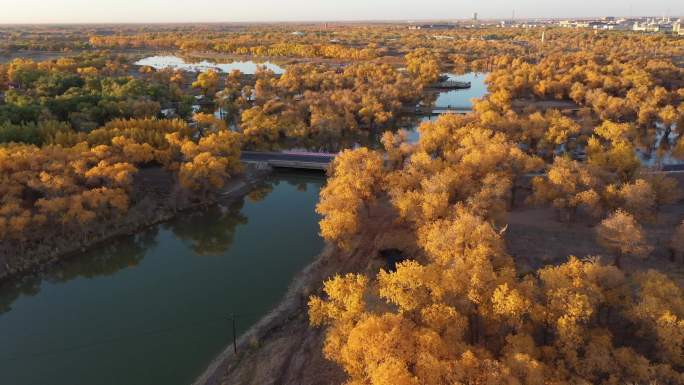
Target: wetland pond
x,y
174,62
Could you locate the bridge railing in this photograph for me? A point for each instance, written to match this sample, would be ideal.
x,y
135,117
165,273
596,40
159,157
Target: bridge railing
x,y
309,153
293,153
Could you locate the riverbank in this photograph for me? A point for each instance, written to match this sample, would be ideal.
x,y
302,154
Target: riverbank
x,y
282,348
143,215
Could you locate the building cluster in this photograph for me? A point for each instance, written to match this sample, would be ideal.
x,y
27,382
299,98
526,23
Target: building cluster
x,y
432,26
641,24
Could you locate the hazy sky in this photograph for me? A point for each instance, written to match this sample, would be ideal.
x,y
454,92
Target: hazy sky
x,y
83,11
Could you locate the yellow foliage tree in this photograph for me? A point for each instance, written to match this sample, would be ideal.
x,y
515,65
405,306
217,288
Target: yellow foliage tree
x,y
621,234
208,82
355,180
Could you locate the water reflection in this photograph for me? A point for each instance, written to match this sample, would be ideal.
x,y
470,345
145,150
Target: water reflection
x,y
28,286
299,179
105,260
660,154
463,98
127,291
174,62
259,193
209,232
411,124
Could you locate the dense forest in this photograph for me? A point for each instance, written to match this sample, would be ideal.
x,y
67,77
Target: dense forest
x,y
581,124
459,309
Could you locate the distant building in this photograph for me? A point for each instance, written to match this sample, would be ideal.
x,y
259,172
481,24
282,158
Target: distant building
x,y
297,33
529,25
474,16
622,24
652,26
431,26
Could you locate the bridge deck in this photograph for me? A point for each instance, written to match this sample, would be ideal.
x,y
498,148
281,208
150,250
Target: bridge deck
x,y
300,160
453,110
451,85
320,161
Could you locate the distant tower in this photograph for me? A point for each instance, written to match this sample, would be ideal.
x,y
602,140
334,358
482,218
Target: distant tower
x,y
543,37
513,15
474,16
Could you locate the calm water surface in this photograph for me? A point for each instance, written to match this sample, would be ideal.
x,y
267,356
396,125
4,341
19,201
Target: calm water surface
x,y
174,62
153,308
462,98
454,98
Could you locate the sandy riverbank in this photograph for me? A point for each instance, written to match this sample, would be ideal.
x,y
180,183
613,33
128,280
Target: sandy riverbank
x,y
282,348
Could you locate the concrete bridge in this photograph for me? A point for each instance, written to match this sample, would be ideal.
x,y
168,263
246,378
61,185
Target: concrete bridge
x,y
450,85
438,110
289,159
321,161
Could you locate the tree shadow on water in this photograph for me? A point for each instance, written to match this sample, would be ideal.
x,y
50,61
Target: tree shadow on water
x,y
103,260
211,231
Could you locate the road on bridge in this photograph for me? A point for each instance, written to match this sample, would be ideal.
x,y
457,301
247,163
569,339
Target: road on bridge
x,y
321,161
673,167
303,160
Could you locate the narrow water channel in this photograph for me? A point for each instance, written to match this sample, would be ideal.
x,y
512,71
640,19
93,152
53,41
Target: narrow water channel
x,y
154,308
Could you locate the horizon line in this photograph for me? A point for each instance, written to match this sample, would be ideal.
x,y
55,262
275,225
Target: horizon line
x,y
342,21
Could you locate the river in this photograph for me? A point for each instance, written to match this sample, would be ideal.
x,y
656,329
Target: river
x,y
154,308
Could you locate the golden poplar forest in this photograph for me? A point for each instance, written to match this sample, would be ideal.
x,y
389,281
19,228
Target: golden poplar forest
x,y
575,129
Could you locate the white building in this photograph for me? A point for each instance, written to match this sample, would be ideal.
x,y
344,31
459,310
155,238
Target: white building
x,y
678,28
